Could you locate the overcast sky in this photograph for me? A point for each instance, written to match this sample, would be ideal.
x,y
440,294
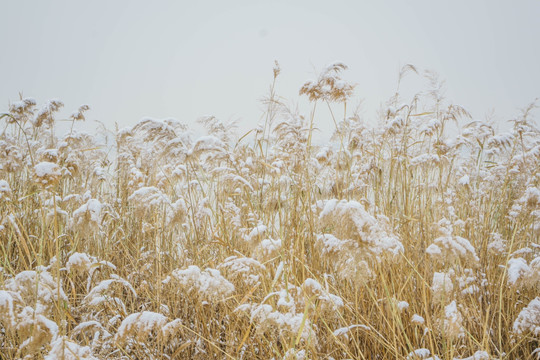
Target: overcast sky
x,y
185,59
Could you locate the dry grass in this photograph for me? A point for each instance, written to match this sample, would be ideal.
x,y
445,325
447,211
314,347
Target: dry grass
x,y
420,234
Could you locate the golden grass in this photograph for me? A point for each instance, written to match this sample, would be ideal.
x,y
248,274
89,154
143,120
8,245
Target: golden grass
x,y
420,234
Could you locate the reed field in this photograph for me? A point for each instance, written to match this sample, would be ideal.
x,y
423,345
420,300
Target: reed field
x,y
410,236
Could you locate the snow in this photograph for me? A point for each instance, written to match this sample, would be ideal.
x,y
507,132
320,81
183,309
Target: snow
x,y
100,289
293,354
344,331
79,262
497,244
44,329
241,265
239,179
479,355
140,325
504,139
279,272
92,324
7,313
47,169
329,207
62,348
359,225
209,284
442,285
92,208
38,289
433,250
417,319
247,269
149,196
171,328
52,153
256,232
329,301
528,319
418,354
289,323
425,158
452,321
431,126
517,268
331,244
455,246
464,180
208,143
402,305
4,188
269,247
22,105
531,197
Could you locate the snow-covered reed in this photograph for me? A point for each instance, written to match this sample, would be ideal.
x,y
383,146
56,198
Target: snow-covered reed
x,y
416,238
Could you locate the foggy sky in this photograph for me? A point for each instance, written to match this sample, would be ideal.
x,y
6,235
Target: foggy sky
x,y
185,59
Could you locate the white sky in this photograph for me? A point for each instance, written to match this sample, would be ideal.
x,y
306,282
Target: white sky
x,y
185,59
